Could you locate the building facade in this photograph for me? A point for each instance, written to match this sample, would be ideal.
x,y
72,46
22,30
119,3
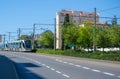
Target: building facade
x,y
78,17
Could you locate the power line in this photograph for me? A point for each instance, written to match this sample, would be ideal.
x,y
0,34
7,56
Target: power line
x,y
109,9
106,10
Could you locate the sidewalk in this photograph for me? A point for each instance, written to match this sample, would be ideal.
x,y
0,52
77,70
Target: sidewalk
x,y
7,69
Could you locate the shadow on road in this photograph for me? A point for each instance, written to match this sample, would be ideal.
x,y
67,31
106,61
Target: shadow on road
x,y
8,68
24,73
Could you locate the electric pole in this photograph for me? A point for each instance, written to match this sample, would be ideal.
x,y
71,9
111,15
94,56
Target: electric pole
x,y
33,36
94,31
55,35
19,32
10,35
4,40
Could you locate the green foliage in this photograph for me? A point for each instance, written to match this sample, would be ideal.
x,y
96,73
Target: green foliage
x,y
108,37
69,33
25,37
47,39
85,36
113,56
102,39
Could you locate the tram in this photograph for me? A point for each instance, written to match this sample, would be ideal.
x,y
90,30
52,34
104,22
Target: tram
x,y
20,45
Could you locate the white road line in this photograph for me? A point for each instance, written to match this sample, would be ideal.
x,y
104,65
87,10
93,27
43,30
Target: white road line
x,y
48,66
86,68
118,76
107,73
44,64
71,64
66,75
52,68
58,72
96,70
65,62
78,65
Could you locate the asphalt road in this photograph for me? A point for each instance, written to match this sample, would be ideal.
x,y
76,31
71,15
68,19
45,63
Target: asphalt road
x,y
40,66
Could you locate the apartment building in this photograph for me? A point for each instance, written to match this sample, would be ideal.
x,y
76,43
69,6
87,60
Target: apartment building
x,y
78,17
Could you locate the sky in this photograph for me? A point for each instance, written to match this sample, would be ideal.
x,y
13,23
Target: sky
x,y
16,14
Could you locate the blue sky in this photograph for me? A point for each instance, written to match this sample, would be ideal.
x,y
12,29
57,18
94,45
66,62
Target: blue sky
x,y
16,14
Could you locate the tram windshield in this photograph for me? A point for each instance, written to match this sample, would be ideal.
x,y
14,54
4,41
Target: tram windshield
x,y
27,43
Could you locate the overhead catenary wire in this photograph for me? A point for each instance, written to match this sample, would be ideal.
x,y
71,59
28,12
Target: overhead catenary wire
x,y
109,9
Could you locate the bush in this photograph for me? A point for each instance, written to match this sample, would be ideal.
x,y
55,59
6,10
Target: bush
x,y
114,56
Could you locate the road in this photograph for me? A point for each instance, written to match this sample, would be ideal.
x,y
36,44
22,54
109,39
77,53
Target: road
x,y
41,66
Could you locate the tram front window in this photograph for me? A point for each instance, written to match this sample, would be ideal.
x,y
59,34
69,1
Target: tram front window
x,y
27,43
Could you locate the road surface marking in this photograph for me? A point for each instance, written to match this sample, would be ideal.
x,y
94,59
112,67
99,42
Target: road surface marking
x,y
48,66
118,76
65,62
71,64
78,65
95,70
44,64
107,73
66,75
58,72
86,68
52,68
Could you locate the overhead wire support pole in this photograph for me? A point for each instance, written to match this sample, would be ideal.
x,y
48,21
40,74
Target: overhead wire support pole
x,y
4,40
19,32
9,35
33,36
55,35
34,28
94,31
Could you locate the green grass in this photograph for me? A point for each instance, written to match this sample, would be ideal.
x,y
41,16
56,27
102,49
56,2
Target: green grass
x,y
113,56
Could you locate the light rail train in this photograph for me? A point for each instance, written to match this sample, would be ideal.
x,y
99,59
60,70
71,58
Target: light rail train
x,y
20,45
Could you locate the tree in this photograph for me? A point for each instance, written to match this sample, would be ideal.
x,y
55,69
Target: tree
x,y
25,37
47,39
71,35
85,37
102,39
64,28
118,38
113,36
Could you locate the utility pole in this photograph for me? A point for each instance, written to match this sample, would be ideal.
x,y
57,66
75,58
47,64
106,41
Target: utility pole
x,y
19,32
4,40
55,35
94,31
114,21
9,35
33,36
